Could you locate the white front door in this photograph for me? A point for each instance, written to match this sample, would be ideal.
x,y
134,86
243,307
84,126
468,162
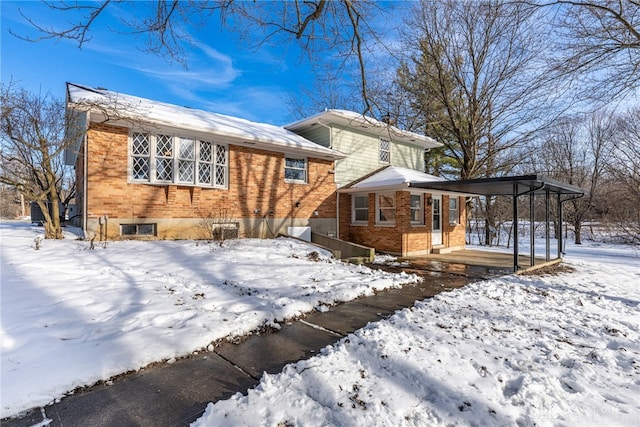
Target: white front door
x,y
436,229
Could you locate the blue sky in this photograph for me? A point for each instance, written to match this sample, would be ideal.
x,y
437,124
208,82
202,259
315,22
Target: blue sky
x,y
223,74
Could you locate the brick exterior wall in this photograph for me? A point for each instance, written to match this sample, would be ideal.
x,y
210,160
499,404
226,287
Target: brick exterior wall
x,y
454,234
403,238
256,187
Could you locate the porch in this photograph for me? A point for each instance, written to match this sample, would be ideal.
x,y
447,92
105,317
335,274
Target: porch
x,y
470,263
484,258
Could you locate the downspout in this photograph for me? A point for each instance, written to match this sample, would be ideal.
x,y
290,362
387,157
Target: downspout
x,y
561,242
334,179
85,185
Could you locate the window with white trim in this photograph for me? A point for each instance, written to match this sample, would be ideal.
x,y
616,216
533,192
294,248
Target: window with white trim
x,y
453,210
360,213
417,211
140,156
165,158
295,170
384,151
386,208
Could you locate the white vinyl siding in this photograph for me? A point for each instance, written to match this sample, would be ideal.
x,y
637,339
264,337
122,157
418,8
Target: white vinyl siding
x,y
362,152
407,156
318,134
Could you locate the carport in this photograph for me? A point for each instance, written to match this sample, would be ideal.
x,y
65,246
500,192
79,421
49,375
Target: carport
x,y
516,187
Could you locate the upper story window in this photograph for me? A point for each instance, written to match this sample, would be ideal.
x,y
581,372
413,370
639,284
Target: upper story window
x,y
360,213
164,158
295,170
386,209
417,212
384,151
453,210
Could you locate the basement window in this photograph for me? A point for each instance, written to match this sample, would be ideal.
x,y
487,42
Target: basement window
x,y
137,229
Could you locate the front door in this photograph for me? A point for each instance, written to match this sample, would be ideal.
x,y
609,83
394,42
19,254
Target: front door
x,y
436,229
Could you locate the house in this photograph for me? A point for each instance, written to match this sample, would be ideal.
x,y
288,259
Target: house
x,y
376,207
146,169
150,170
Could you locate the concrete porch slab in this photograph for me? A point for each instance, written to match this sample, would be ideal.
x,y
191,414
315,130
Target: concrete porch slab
x,y
491,259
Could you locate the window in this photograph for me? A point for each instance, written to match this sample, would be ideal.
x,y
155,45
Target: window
x,y
137,229
140,156
384,152
453,210
166,158
360,208
295,170
386,209
417,215
186,160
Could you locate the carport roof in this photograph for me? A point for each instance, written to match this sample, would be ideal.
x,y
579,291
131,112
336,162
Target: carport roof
x,y
504,186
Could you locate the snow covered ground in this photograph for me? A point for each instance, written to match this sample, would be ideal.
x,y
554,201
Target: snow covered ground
x,y
532,350
554,350
71,316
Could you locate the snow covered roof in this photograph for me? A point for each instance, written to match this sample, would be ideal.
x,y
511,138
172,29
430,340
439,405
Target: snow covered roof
x,y
391,177
365,123
243,131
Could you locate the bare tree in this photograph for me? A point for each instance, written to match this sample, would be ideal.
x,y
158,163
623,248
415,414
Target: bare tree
x,y
33,136
596,43
577,151
476,82
341,27
624,169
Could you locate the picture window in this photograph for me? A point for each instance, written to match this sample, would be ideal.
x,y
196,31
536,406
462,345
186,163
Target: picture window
x,y
165,158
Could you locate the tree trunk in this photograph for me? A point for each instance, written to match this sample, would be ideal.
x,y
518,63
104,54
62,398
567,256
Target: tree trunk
x,y
577,227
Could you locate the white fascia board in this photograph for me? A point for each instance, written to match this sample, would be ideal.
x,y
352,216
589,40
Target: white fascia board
x,y
364,123
387,188
402,187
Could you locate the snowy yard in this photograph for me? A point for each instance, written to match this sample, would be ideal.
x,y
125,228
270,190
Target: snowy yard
x,y
73,316
530,350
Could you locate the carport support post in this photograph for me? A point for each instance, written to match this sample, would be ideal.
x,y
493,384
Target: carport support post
x,y
515,226
532,229
546,231
560,243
